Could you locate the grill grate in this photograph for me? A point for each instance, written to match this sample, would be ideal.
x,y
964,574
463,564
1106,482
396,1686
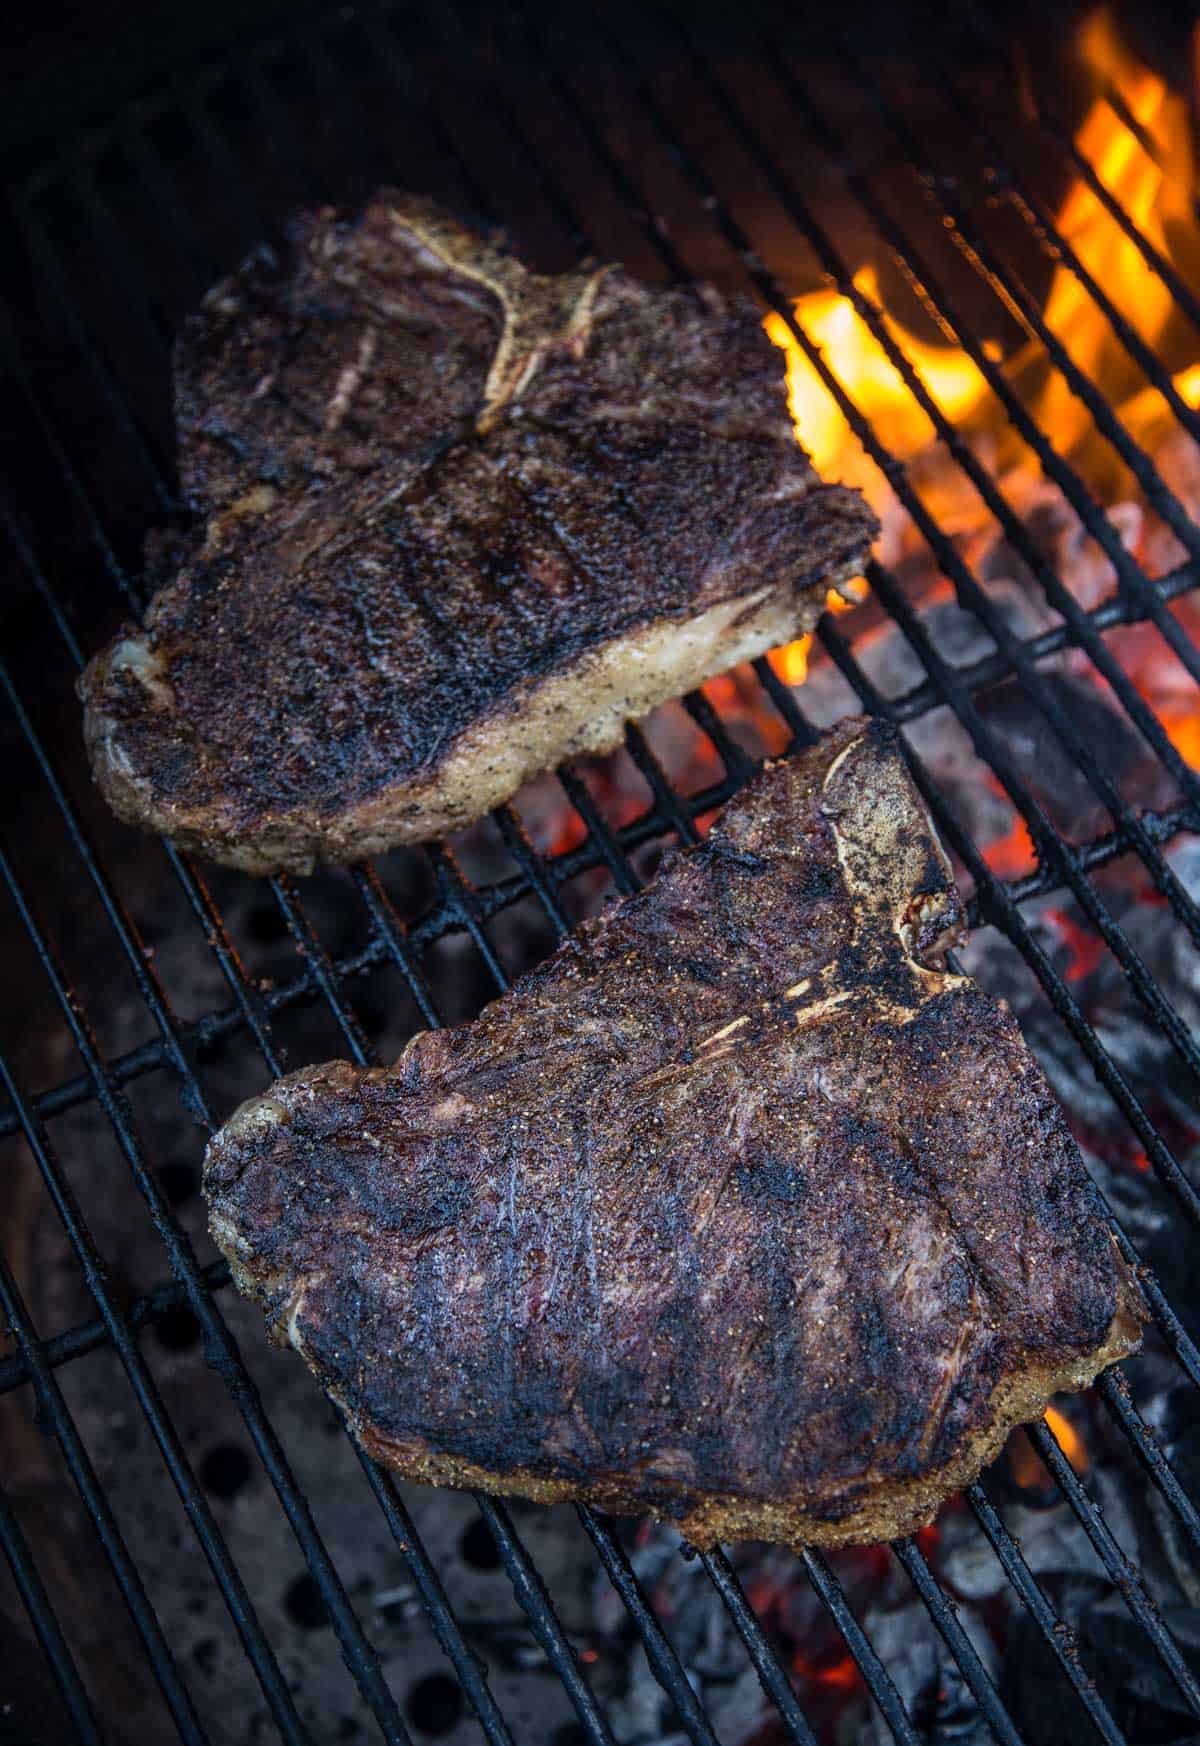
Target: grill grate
x,y
314,59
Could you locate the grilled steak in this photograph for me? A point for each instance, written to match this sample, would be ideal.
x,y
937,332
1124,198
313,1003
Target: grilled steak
x,y
457,522
742,1210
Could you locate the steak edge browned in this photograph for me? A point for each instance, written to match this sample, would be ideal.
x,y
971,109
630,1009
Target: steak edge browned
x,y
742,1210
456,522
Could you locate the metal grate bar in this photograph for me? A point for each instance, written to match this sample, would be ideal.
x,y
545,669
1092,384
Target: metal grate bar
x,y
212,1541
772,1678
997,909
1124,1573
1049,118
1097,852
85,1337
470,1668
879,1679
1047,839
56,1415
44,1620
1004,281
711,204
1059,1636
1144,137
222,1348
660,1653
944,1614
1043,226
45,259
532,1594
1117,610
1082,630
1114,1392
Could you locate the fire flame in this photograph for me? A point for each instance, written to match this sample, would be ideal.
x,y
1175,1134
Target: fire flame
x,y
1067,1438
870,378
1156,196
791,662
1156,192
1026,1464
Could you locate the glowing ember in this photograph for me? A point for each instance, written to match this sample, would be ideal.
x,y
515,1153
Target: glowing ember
x,y
1012,855
927,1538
1086,949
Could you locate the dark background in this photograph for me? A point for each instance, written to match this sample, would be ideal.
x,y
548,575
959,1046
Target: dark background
x,y
67,64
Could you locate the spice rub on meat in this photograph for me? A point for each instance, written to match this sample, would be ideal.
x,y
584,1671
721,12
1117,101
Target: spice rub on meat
x,y
456,522
742,1210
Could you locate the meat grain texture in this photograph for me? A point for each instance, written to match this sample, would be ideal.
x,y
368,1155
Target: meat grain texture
x,y
455,522
742,1211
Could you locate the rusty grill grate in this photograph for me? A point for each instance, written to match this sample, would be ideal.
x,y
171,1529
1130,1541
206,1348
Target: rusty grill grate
x,y
169,195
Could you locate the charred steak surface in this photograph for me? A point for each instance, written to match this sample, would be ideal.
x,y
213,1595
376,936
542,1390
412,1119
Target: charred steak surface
x,y
741,1210
456,521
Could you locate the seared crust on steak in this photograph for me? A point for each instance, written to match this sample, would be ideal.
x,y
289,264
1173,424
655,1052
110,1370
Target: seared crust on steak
x,y
457,522
741,1210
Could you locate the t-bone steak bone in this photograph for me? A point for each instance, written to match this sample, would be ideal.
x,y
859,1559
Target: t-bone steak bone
x,y
456,522
741,1210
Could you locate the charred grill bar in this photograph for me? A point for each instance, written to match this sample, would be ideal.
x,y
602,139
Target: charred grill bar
x,y
329,61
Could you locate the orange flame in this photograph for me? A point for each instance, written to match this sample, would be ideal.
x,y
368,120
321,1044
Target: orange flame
x,y
1156,198
858,360
1068,1439
1156,194
1026,1464
791,662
